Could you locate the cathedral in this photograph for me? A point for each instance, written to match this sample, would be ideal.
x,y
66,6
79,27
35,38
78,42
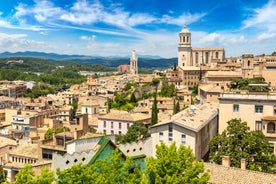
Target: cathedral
x,y
188,56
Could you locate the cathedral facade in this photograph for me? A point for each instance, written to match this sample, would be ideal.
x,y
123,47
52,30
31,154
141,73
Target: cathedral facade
x,y
188,56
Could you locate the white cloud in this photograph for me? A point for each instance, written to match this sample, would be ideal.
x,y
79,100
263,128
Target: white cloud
x,y
19,42
263,18
186,18
266,36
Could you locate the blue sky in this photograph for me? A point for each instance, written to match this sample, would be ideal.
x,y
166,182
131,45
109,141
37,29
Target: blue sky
x,y
151,27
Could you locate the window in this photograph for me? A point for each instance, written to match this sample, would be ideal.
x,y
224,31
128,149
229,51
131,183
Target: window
x,y
170,132
170,136
104,131
274,109
104,124
258,109
127,125
120,125
207,57
271,127
120,132
258,125
236,108
217,55
112,132
112,124
196,57
170,127
183,139
160,136
86,110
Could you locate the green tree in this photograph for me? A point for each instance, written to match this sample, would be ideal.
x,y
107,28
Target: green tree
x,y
137,130
50,131
238,142
25,175
177,107
114,169
154,111
168,90
174,165
2,174
133,98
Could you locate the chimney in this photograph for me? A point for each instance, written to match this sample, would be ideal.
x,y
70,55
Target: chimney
x,y
243,164
226,161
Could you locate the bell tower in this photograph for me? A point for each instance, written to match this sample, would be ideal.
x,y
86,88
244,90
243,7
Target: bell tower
x,y
133,63
184,48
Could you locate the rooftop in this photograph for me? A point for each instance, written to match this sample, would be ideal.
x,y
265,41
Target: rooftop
x,y
26,150
193,118
125,116
231,175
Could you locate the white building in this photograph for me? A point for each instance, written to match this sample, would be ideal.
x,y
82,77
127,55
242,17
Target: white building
x,y
193,127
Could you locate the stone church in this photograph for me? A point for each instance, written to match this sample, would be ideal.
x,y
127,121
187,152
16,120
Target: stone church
x,y
188,56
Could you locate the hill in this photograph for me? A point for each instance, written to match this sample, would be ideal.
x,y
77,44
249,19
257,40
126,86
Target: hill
x,y
143,62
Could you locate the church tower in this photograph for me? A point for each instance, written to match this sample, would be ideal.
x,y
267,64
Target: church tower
x,y
133,63
184,48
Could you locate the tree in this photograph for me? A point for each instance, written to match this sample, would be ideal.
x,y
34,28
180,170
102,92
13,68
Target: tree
x,y
50,131
176,107
133,98
137,130
154,112
238,142
174,165
2,174
27,176
168,90
113,169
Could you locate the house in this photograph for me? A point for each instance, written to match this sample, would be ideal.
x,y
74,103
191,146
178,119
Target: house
x,y
193,127
118,122
258,109
24,154
6,145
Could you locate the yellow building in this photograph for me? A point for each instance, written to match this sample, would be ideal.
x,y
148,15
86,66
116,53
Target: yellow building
x,y
257,109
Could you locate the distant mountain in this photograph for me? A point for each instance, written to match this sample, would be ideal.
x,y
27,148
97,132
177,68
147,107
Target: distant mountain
x,y
144,61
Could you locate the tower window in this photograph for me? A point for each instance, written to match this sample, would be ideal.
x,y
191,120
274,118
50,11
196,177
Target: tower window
x,y
207,57
196,57
217,54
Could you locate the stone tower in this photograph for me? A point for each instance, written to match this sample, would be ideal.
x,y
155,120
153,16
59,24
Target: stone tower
x,y
184,48
133,63
247,65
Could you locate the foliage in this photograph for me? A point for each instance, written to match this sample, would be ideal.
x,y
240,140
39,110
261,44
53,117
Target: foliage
x,y
50,131
168,90
27,176
113,169
243,84
174,165
176,107
136,131
155,82
133,98
238,142
154,112
41,90
2,174
195,90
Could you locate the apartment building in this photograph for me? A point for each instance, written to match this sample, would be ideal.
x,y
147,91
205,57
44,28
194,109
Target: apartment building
x,y
257,109
193,127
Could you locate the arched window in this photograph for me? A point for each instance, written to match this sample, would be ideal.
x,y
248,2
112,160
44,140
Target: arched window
x,y
187,39
271,127
248,63
217,55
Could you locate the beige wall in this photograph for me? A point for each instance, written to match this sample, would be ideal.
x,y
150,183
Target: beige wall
x,y
177,132
246,111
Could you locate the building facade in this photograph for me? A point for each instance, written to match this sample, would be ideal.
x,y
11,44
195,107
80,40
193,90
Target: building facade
x,y
257,109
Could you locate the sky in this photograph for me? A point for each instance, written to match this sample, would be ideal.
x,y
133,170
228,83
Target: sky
x,y
151,27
